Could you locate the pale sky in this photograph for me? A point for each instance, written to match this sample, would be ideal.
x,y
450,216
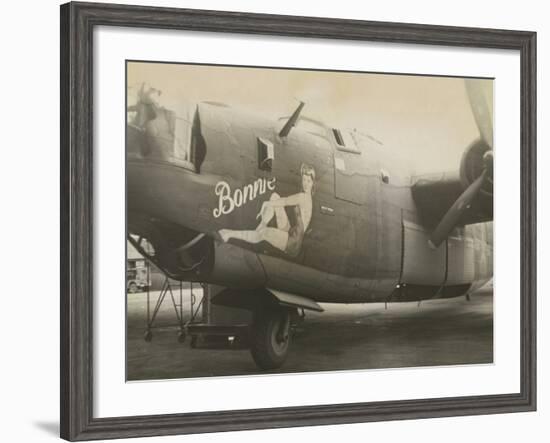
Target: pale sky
x,y
425,120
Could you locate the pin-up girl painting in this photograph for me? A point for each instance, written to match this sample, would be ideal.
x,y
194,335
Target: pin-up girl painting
x,y
284,236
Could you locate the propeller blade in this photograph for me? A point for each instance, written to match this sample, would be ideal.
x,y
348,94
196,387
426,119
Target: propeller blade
x,y
480,110
451,218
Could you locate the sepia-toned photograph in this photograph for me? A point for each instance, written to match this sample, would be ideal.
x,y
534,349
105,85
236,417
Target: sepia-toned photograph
x,y
293,220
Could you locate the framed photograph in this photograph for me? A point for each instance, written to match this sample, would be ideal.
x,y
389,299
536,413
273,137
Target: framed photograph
x,y
272,221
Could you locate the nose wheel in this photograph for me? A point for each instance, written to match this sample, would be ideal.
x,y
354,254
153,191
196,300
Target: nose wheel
x,y
271,337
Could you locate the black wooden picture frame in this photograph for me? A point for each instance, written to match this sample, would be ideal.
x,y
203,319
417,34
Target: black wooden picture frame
x,y
78,21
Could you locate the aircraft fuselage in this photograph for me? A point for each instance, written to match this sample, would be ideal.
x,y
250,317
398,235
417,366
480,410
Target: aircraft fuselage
x,y
357,236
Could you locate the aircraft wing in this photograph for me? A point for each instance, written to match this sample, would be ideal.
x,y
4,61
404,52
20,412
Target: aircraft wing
x,y
249,299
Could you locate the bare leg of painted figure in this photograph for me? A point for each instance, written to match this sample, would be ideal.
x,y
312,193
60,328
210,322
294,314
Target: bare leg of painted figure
x,y
247,236
281,219
275,237
278,237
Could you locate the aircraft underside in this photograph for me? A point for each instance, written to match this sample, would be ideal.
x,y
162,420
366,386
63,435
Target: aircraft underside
x,y
201,258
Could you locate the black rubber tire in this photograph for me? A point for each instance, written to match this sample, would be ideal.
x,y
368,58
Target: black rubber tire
x,y
267,351
132,288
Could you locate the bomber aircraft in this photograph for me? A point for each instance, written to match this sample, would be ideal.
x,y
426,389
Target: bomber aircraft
x,y
290,213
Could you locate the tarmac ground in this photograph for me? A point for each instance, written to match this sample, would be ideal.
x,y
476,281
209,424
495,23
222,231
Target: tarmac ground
x,y
359,336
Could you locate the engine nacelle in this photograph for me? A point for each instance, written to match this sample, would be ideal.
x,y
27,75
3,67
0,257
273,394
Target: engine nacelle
x,y
435,193
477,158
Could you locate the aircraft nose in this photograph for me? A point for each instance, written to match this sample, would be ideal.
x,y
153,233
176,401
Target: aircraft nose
x,y
160,134
151,137
136,143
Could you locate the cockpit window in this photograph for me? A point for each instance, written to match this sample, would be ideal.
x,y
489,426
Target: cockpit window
x,y
345,141
338,137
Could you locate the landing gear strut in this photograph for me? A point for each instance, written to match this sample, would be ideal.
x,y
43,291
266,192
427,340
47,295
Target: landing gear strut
x,y
271,337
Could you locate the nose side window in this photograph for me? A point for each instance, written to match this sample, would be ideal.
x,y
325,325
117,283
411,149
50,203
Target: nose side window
x,y
189,146
183,135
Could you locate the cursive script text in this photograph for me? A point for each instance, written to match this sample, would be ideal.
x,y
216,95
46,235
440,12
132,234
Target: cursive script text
x,y
229,199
